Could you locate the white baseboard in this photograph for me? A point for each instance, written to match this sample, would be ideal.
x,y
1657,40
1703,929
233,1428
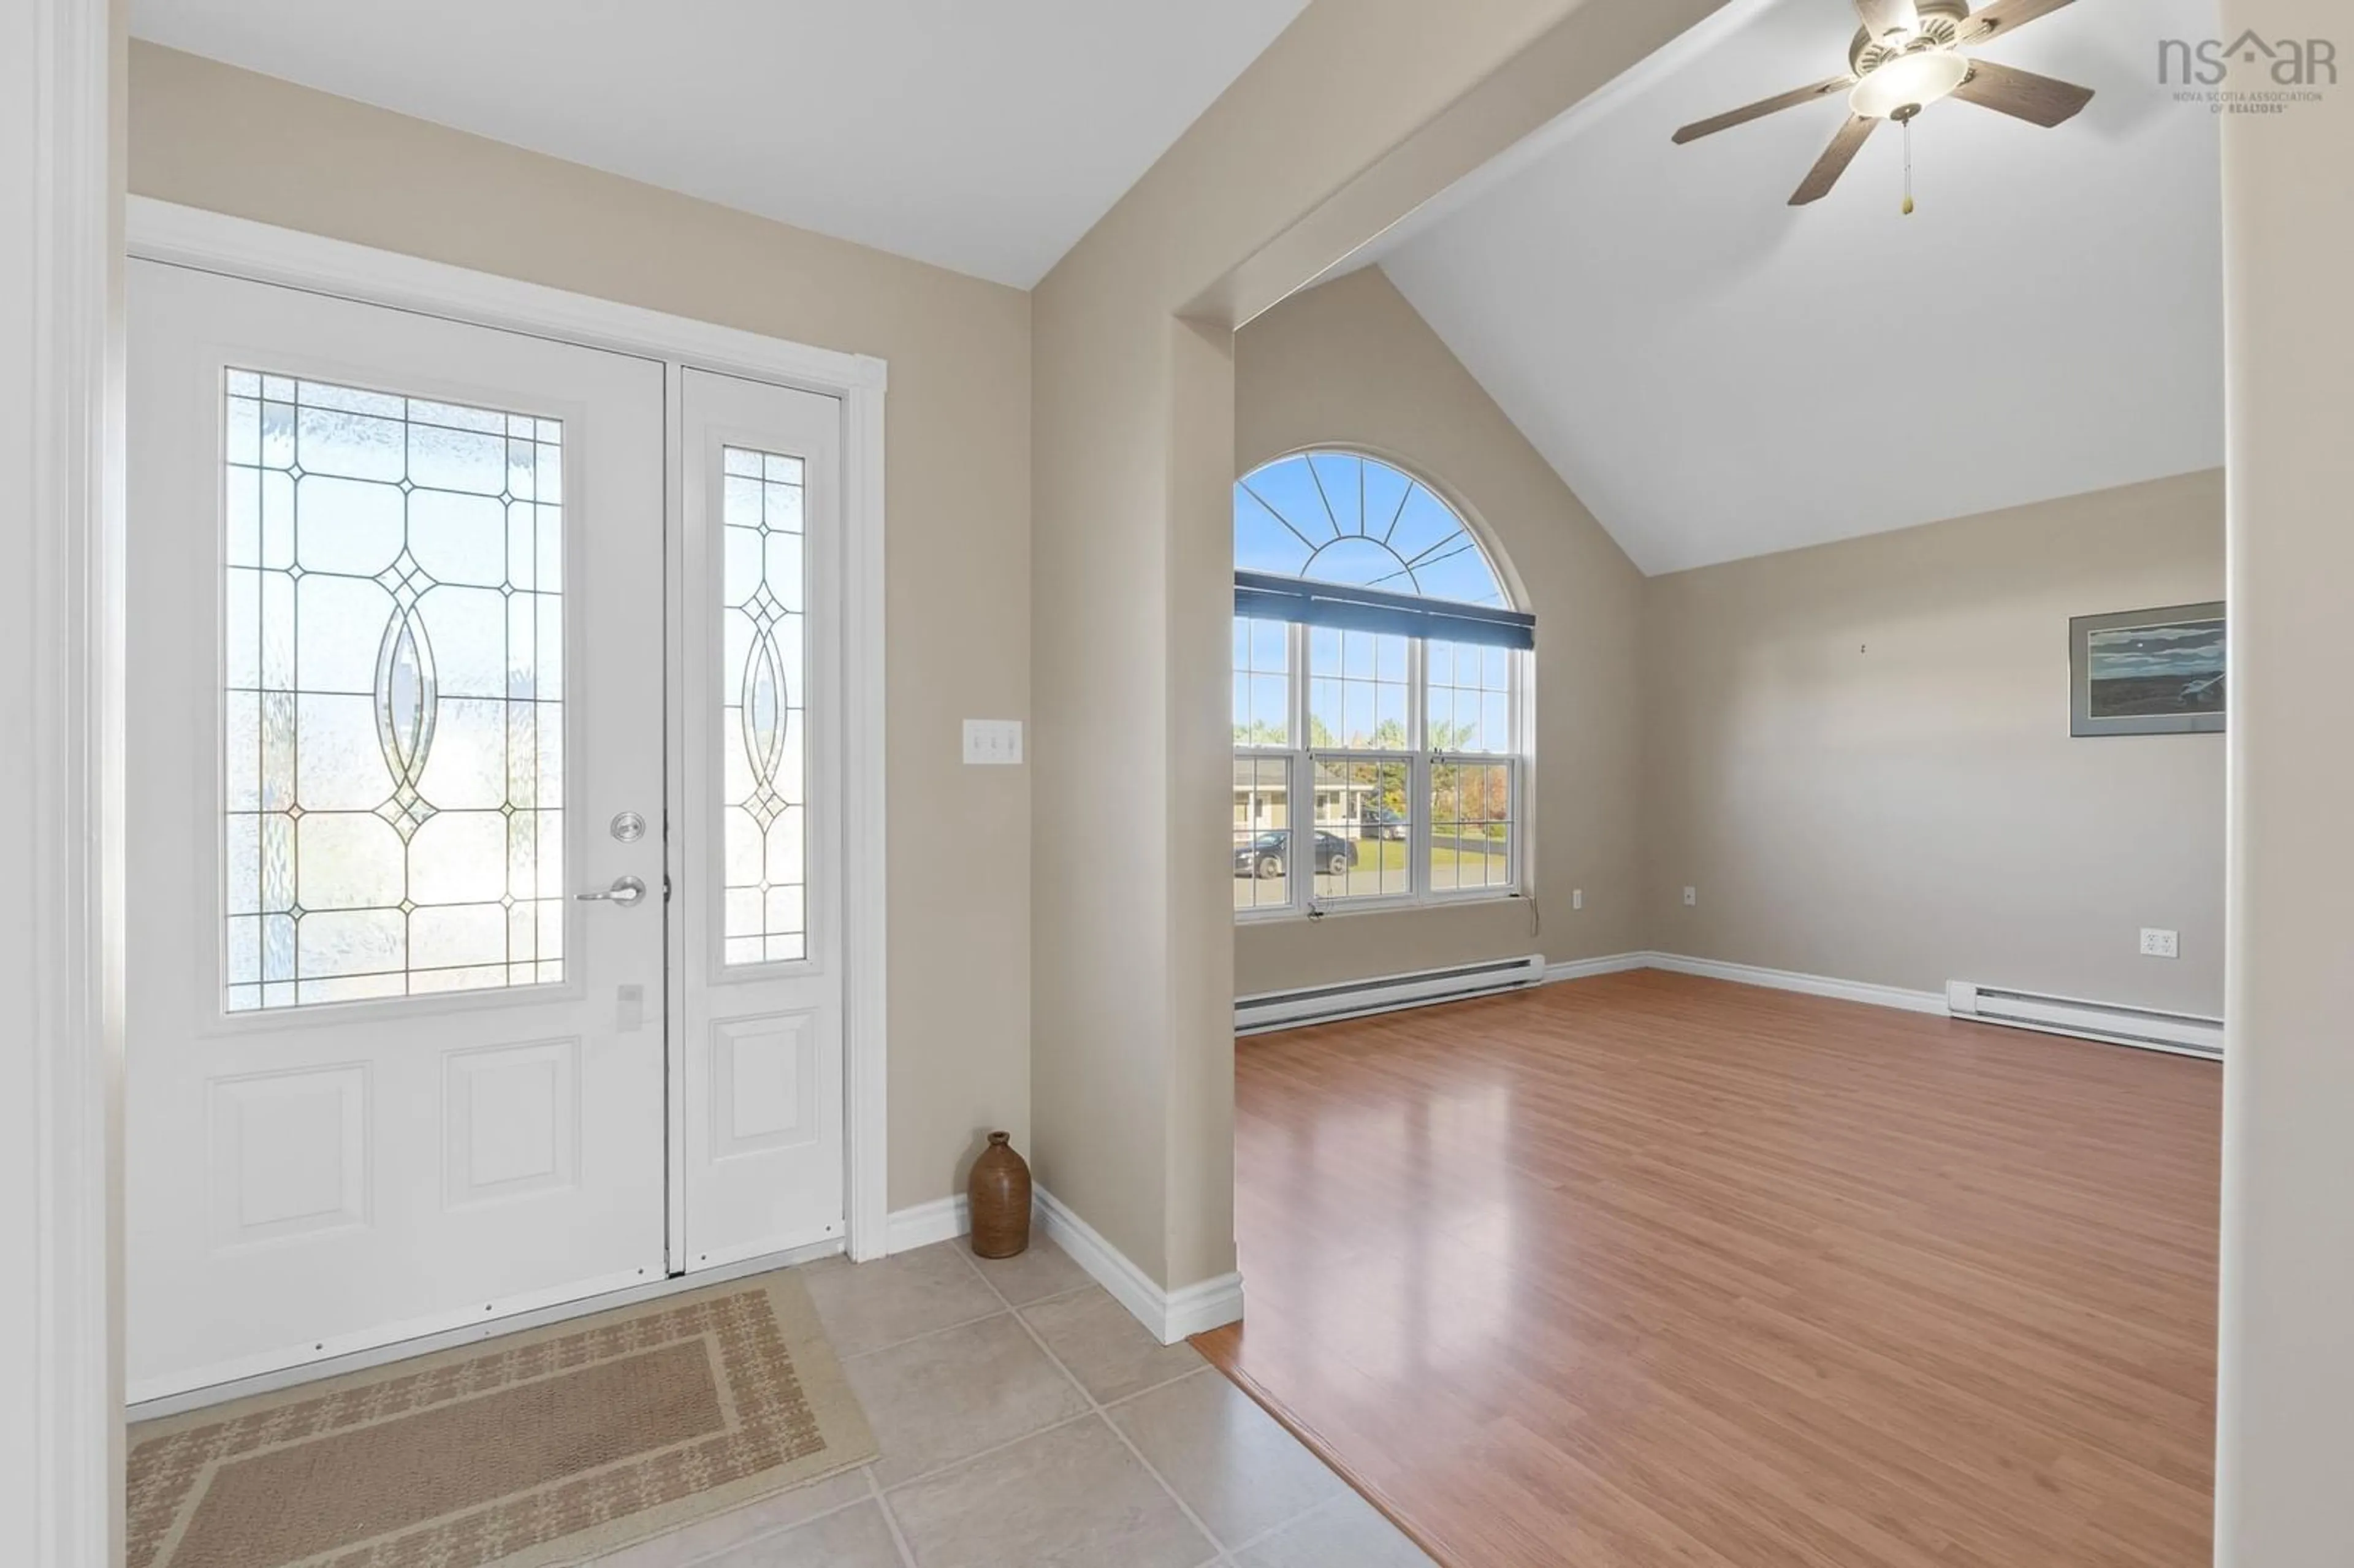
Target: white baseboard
x,y
1170,1315
1810,985
1586,968
942,1219
1198,1308
1750,974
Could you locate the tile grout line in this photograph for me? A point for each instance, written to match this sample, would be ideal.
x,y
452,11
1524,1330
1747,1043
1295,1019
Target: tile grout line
x,y
1226,1551
1222,1555
994,1448
928,1333
1006,1305
1101,1413
890,1520
867,1469
1097,1408
1207,1365
1274,1530
881,1498
874,1487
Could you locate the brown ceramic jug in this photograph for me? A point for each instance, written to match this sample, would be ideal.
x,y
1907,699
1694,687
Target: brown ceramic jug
x,y
1001,1199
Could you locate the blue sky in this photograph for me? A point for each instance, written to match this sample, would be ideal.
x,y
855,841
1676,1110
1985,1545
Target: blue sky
x,y
1340,518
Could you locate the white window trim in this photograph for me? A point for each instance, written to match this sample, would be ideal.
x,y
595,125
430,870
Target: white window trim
x,y
1300,902
191,237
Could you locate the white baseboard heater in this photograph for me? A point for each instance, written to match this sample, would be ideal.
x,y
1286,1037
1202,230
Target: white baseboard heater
x,y
2185,1033
1355,999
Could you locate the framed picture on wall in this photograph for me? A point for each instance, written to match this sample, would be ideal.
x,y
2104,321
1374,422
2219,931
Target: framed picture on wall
x,y
2147,671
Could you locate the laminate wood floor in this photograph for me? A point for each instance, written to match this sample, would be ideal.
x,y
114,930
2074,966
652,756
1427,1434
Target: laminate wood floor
x,y
1648,1269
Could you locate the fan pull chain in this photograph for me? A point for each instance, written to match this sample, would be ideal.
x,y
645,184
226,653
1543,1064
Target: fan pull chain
x,y
1908,165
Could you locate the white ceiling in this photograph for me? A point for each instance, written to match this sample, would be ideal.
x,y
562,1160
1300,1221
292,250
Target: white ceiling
x,y
985,135
1718,375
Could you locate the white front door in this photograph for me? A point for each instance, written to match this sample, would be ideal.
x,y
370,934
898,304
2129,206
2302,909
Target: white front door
x,y
760,1122
396,689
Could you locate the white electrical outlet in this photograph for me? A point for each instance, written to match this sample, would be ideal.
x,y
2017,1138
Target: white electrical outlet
x,y
2158,944
1691,897
1577,898
993,743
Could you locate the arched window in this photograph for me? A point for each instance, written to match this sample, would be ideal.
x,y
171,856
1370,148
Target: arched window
x,y
1378,678
1337,517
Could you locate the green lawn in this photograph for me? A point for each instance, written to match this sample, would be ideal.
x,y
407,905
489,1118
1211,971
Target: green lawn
x,y
1380,869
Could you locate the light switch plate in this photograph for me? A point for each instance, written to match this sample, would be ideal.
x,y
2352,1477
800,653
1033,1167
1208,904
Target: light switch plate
x,y
993,743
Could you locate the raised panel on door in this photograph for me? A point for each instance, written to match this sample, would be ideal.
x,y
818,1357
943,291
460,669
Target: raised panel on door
x,y
395,658
759,856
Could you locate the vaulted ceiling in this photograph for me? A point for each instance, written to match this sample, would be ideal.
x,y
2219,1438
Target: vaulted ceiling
x,y
1720,374
983,135
1717,373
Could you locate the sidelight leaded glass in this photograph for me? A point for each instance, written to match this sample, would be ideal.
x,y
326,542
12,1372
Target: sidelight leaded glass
x,y
393,695
764,731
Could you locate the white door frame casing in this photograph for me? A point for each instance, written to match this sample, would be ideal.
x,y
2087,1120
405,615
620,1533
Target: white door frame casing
x,y
190,237
61,624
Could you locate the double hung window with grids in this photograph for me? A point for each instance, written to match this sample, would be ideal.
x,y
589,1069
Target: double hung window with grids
x,y
1378,681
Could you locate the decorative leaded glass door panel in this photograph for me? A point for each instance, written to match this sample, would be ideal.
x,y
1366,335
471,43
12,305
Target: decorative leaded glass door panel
x,y
760,1155
395,664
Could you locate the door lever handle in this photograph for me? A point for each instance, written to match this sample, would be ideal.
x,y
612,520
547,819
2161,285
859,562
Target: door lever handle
x,y
625,891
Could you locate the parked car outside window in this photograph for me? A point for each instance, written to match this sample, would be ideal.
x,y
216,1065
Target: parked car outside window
x,y
1265,855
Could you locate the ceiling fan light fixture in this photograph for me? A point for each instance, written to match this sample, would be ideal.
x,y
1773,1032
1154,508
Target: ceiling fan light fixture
x,y
1909,81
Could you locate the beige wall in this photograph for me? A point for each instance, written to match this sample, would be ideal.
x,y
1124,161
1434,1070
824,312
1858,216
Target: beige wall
x,y
1905,815
1351,363
1859,754
2286,1367
957,482
1295,166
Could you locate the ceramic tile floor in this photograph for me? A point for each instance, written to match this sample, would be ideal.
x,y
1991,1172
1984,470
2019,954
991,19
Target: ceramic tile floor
x,y
1026,1421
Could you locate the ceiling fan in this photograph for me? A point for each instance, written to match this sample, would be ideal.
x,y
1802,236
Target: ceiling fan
x,y
1908,56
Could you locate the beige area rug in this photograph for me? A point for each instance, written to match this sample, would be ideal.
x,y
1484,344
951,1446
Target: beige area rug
x,y
548,1446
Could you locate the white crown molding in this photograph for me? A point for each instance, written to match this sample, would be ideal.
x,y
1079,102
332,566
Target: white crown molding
x,y
217,242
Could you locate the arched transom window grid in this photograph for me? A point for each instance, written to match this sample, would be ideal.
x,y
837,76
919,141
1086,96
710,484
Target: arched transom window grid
x,y
1405,753
1344,517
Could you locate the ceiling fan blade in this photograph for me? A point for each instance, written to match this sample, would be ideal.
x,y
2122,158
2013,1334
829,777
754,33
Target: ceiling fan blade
x,y
1761,109
2037,99
2006,18
1835,159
